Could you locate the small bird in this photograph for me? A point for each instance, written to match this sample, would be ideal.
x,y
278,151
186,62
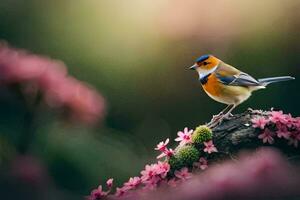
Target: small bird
x,y
228,85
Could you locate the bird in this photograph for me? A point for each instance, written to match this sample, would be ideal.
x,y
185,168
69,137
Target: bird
x,y
228,85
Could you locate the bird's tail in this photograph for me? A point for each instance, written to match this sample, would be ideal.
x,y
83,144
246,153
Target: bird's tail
x,y
267,81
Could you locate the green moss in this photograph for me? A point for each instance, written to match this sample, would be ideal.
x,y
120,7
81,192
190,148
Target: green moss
x,y
201,134
184,157
175,163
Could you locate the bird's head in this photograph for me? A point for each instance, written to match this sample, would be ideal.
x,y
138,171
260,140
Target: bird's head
x,y
205,64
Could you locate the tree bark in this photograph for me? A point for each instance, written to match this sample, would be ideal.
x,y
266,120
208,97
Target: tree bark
x,y
236,133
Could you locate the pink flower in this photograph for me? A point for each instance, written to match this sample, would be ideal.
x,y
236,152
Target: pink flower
x,y
296,122
277,116
152,182
121,191
294,138
289,120
183,174
202,163
109,182
163,168
210,147
162,145
267,136
259,122
282,131
97,194
185,137
167,152
149,172
133,182
49,77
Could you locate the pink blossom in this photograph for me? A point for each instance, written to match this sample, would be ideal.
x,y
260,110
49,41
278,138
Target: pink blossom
x,y
162,145
149,172
210,147
97,194
152,182
282,131
277,116
296,122
163,168
294,138
267,136
202,163
133,182
121,191
185,137
50,78
167,152
183,174
289,120
109,182
259,122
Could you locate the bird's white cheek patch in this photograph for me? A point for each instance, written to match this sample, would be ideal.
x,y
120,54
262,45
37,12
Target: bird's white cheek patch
x,y
202,72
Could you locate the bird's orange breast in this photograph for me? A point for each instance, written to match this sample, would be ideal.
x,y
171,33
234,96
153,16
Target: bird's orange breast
x,y
212,85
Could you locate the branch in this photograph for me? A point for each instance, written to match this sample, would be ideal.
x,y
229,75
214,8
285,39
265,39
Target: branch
x,y
237,133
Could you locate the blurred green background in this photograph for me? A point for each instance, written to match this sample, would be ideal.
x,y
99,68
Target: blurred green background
x,y
136,54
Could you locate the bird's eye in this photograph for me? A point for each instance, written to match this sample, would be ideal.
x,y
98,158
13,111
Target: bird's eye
x,y
205,63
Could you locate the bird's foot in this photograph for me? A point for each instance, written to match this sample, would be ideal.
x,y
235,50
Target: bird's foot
x,y
216,119
227,116
215,123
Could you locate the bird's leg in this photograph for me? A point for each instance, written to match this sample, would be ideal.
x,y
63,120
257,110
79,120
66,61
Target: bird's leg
x,y
218,121
218,116
229,112
222,112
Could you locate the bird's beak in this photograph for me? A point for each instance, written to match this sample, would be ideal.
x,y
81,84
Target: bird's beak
x,y
193,67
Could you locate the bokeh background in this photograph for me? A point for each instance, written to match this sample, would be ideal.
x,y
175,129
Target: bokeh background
x,y
135,53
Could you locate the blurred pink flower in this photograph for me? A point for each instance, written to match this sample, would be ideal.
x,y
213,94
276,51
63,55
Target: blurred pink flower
x,y
50,78
265,174
97,194
210,147
296,123
289,120
282,131
183,174
294,138
185,137
162,145
267,136
152,182
259,122
202,163
121,191
109,183
132,183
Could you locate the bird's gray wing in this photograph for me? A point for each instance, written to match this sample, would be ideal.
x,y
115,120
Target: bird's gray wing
x,y
241,79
